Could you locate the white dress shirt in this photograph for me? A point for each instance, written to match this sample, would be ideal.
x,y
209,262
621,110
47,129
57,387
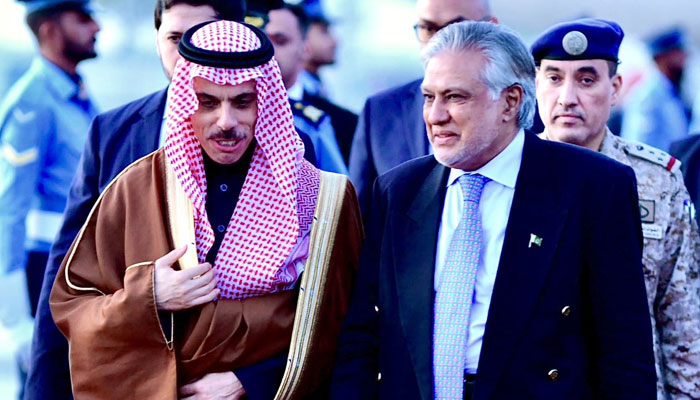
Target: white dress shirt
x,y
494,209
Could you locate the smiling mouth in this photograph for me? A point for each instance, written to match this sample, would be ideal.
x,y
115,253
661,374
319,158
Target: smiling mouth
x,y
228,145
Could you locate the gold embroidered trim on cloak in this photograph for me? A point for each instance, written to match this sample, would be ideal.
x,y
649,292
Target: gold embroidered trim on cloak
x,y
329,205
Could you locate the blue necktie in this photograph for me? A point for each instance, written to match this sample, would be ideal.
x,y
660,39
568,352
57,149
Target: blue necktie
x,y
453,300
81,99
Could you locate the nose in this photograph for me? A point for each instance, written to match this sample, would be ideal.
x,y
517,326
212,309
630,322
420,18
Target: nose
x,y
435,113
567,94
94,26
227,118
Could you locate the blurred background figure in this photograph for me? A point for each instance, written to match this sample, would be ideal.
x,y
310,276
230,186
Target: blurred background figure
x,y
322,45
655,113
44,119
287,28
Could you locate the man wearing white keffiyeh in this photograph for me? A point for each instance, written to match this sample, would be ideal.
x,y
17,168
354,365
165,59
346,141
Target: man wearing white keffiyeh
x,y
246,215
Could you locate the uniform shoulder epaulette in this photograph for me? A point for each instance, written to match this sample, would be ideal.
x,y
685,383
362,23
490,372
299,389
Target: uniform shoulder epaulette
x,y
654,155
310,113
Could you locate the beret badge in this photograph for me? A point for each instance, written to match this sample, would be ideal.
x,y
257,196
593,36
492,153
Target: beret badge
x,y
574,43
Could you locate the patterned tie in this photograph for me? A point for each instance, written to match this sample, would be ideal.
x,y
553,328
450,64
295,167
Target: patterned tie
x,y
453,300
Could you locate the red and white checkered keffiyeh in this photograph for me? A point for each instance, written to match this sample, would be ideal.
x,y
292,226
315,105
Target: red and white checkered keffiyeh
x,y
276,204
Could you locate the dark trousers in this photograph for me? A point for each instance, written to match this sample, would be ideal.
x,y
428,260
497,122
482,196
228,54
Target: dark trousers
x,y
36,266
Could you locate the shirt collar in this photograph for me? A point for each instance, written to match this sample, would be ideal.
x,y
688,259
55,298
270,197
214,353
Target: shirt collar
x,y
503,168
167,102
57,78
296,92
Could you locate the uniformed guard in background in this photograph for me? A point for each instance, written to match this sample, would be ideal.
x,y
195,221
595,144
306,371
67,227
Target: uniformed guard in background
x,y
44,120
286,29
577,84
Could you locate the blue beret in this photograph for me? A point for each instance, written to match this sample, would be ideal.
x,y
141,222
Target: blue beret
x,y
45,5
666,41
582,39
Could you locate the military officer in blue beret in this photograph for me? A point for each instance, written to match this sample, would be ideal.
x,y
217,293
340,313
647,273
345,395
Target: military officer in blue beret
x,y
44,120
577,84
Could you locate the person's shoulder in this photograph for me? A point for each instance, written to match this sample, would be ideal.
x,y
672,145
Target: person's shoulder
x,y
28,94
578,164
648,159
329,107
149,103
141,170
310,114
398,92
408,172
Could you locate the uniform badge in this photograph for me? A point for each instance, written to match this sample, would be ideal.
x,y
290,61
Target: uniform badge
x,y
689,208
574,43
19,159
652,231
647,210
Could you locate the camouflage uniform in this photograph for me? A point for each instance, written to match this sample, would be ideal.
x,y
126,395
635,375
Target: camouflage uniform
x,y
671,254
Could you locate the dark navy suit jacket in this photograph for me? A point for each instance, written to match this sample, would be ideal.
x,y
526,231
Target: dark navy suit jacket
x,y
117,138
584,207
390,131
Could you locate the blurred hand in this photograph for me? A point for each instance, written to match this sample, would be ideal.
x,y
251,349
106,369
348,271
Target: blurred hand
x,y
180,290
222,385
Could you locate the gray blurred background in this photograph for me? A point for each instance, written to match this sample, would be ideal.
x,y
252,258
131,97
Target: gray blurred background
x,y
377,50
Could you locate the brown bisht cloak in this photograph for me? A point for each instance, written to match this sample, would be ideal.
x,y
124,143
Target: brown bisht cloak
x,y
103,298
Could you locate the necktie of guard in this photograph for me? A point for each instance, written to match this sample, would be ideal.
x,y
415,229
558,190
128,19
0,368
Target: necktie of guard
x,y
454,297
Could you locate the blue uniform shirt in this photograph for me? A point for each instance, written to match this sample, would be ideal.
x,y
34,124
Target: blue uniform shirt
x,y
44,121
317,125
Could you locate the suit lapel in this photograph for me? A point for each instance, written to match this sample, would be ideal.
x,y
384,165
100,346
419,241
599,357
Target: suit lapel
x,y
145,132
523,266
414,256
412,121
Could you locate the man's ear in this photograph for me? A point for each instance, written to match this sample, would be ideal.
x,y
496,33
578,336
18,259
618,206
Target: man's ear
x,y
617,86
513,98
47,31
157,46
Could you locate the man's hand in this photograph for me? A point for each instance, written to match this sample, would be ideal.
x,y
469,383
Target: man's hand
x,y
180,290
222,385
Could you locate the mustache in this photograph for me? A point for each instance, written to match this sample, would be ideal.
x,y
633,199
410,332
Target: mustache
x,y
568,112
229,134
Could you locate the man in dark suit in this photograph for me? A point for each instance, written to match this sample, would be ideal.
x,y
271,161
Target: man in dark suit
x,y
504,266
390,129
116,139
688,152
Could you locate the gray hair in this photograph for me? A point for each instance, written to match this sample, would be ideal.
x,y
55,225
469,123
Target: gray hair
x,y
508,61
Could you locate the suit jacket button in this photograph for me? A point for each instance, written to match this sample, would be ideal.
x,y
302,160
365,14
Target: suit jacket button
x,y
553,375
376,309
379,377
566,311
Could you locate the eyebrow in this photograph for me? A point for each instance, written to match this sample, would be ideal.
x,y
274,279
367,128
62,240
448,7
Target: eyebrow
x,y
586,69
251,93
452,21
